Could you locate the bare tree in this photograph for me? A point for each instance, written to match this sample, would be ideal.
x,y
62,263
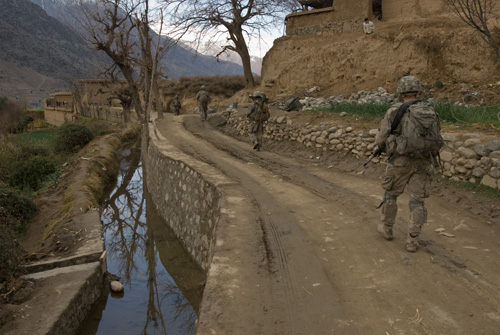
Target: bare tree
x,y
237,20
478,15
11,116
121,29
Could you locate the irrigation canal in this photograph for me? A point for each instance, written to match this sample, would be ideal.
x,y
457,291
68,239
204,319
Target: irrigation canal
x,y
163,286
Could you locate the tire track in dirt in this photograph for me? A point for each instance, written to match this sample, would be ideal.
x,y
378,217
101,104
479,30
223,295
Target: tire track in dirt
x,y
332,271
292,259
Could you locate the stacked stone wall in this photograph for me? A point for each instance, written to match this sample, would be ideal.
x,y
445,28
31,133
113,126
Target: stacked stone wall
x,y
464,158
324,21
188,202
56,116
103,112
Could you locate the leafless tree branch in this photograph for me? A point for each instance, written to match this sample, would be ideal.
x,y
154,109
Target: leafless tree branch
x,y
478,14
238,20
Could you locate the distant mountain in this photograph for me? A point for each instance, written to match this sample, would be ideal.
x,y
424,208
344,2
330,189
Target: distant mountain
x,y
181,60
39,54
42,52
230,56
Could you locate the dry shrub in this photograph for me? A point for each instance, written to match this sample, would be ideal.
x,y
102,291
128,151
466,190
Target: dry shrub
x,y
15,212
430,45
71,137
12,114
29,174
225,86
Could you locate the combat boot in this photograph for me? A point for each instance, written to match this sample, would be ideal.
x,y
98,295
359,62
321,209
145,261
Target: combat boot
x,y
411,243
385,230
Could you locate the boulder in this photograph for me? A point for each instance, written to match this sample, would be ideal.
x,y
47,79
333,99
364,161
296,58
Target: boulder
x,y
446,156
494,154
471,142
494,145
478,172
467,153
480,150
488,181
116,286
494,173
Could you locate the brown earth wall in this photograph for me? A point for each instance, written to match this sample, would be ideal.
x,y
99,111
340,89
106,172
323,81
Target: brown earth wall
x,y
342,63
410,9
57,116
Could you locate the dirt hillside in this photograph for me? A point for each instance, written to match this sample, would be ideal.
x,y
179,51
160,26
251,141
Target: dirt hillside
x,y
439,48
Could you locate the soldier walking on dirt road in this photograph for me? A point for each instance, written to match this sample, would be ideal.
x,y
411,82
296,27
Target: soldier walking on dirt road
x,y
258,113
203,98
410,134
176,105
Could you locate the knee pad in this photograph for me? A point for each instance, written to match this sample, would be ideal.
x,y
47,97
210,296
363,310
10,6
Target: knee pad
x,y
389,209
418,216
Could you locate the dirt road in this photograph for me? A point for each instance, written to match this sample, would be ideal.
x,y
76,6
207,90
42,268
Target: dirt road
x,y
313,263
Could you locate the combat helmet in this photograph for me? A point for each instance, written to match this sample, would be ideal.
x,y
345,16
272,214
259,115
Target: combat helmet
x,y
409,84
258,94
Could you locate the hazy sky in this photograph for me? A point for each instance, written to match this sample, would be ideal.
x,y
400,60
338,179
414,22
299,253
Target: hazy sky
x,y
257,46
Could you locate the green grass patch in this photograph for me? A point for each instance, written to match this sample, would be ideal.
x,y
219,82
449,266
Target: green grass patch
x,y
367,110
44,137
448,112
475,188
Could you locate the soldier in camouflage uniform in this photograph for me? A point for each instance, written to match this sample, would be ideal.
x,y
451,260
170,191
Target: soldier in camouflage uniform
x,y
402,172
176,105
256,113
203,98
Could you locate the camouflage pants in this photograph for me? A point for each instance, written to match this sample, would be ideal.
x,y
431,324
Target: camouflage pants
x,y
203,106
256,132
414,175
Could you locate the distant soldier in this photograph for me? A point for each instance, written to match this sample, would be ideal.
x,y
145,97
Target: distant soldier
x,y
176,105
368,26
203,98
410,134
258,113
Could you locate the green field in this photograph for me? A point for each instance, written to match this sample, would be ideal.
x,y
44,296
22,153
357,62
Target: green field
x,y
449,113
43,137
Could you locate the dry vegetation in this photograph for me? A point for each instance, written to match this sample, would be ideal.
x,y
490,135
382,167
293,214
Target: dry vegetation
x,y
223,86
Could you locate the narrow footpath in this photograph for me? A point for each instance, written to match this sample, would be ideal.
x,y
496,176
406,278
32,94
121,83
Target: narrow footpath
x,y
301,253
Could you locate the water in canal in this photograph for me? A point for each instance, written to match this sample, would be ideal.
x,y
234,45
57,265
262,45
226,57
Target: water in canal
x,y
163,286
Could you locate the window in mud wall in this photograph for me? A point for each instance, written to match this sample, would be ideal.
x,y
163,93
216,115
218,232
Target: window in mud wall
x,y
377,9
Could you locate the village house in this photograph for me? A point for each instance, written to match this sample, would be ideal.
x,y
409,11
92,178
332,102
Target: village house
x,y
336,16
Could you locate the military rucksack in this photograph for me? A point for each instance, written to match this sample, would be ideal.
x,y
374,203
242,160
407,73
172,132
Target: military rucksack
x,y
203,96
420,134
262,113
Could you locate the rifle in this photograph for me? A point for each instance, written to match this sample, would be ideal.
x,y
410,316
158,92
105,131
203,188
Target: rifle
x,y
376,153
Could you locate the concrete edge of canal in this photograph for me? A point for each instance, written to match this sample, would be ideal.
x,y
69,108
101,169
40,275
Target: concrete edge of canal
x,y
68,287
218,226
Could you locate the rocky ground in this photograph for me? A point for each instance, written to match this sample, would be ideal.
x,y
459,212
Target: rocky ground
x,y
304,255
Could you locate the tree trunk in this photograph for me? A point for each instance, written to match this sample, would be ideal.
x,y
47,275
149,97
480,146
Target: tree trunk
x,y
126,112
242,50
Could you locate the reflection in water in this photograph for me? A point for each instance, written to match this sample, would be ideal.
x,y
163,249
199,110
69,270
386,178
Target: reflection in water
x,y
163,286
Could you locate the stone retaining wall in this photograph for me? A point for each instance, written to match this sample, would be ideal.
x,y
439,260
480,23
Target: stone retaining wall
x,y
97,111
464,158
325,21
185,199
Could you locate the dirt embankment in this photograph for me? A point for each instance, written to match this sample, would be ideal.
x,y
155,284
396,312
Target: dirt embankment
x,y
66,231
435,49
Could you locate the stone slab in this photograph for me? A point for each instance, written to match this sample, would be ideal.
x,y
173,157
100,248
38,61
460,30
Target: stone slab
x,y
60,301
